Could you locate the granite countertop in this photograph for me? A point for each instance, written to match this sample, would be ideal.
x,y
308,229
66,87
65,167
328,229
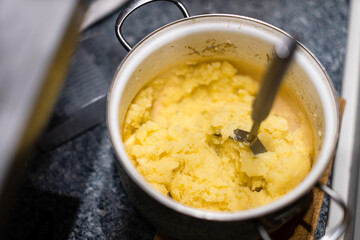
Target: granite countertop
x,y
74,191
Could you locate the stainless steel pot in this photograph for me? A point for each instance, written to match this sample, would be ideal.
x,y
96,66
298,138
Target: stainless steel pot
x,y
239,39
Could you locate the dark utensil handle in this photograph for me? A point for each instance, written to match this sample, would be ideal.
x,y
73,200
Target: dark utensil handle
x,y
132,6
272,80
332,234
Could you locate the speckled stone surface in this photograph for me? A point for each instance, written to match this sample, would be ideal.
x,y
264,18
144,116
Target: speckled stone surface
x,y
74,191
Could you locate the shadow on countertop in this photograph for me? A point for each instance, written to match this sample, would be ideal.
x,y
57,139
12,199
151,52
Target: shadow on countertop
x,y
75,192
42,215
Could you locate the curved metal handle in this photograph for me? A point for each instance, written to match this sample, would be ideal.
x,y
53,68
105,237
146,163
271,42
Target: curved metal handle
x,y
132,6
334,233
338,230
263,233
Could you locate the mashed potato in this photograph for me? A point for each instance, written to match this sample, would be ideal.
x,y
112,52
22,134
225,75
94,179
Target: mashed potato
x,y
178,131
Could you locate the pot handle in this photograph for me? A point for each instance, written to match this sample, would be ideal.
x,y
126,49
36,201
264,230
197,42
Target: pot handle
x,y
132,6
332,234
339,229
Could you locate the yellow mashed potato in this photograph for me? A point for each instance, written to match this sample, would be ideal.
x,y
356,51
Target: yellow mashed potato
x,y
178,131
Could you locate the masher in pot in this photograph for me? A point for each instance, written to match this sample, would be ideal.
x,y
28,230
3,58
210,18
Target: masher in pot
x,y
266,95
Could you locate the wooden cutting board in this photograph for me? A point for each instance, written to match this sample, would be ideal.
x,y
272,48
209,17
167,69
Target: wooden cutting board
x,y
304,226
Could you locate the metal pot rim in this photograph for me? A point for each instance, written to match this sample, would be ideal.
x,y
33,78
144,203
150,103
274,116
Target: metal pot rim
x,y
303,188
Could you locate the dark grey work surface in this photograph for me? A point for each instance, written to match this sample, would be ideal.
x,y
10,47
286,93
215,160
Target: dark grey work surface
x,y
74,191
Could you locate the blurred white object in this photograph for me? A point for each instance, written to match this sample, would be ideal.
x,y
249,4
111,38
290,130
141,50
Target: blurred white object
x,y
36,41
346,165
